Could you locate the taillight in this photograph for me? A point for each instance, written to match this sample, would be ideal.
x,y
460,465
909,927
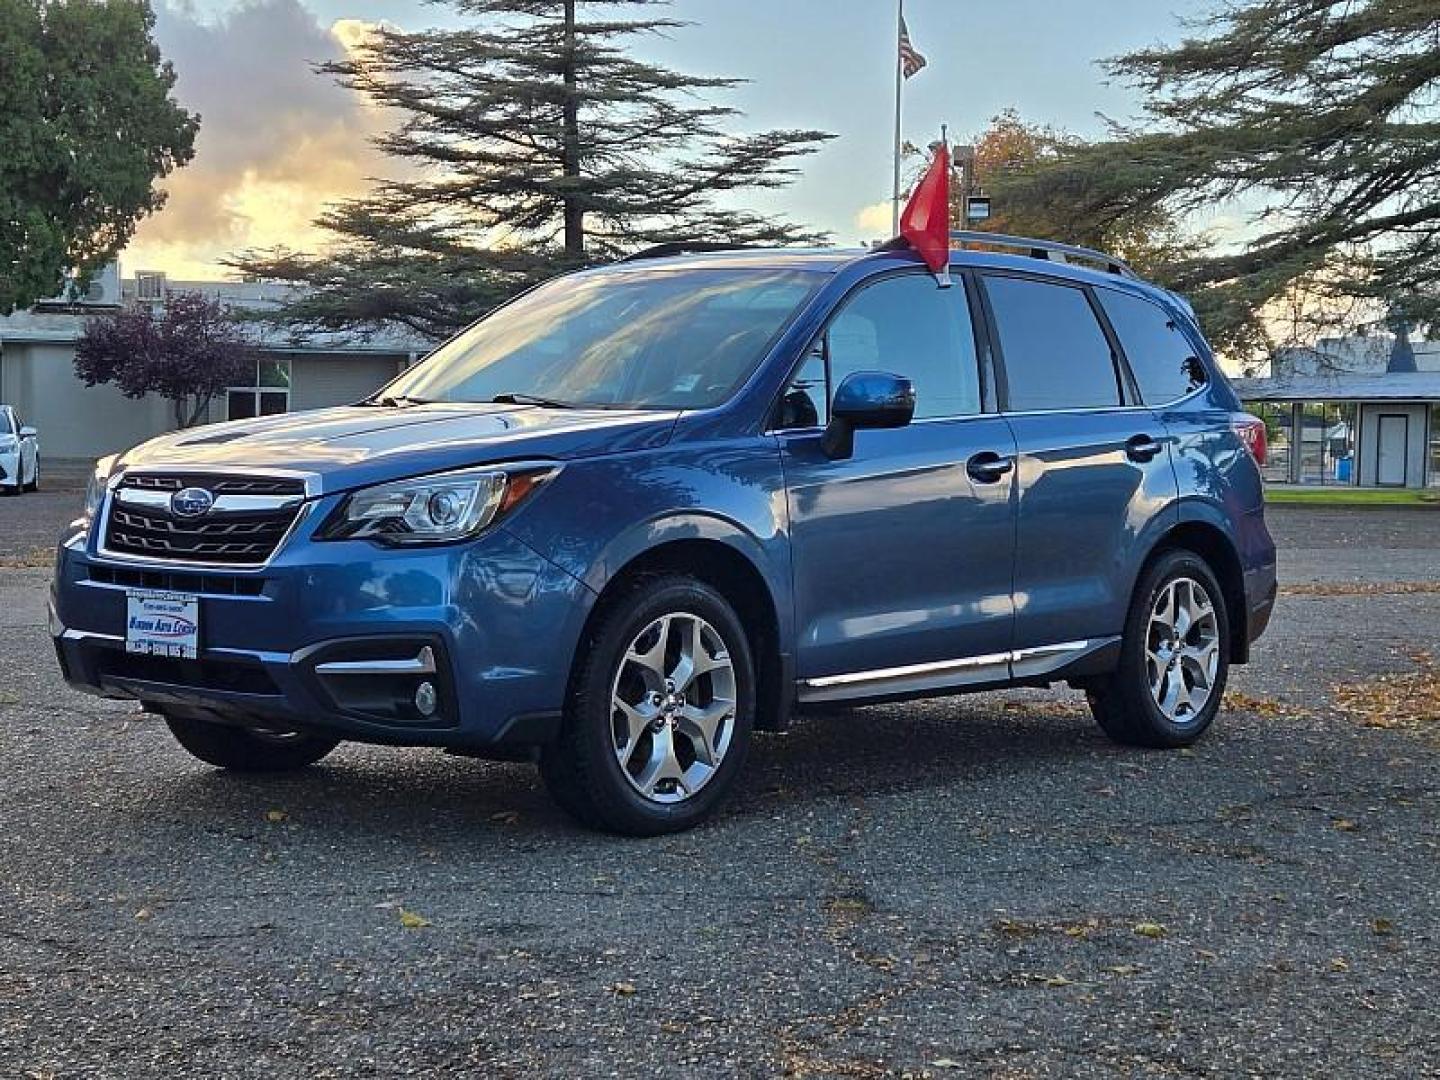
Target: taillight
x,y
1251,430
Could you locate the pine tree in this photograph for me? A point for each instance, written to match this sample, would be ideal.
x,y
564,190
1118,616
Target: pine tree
x,y
532,142
1326,115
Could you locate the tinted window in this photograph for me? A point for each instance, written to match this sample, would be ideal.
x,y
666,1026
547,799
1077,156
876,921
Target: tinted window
x,y
5,428
909,326
1160,355
1056,355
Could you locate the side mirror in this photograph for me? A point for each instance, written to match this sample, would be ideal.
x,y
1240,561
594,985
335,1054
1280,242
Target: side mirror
x,y
866,399
28,433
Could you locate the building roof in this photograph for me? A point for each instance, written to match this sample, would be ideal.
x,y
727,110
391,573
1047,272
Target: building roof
x,y
57,323
1343,386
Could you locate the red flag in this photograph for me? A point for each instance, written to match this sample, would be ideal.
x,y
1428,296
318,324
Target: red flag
x,y
926,220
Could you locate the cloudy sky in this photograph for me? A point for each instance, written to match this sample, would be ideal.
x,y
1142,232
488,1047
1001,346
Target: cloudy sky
x,y
277,142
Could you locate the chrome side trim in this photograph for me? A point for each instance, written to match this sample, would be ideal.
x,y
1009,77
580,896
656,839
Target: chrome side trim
x,y
966,669
1051,650
882,674
423,663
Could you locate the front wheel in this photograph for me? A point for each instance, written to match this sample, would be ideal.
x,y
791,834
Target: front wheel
x,y
661,707
249,749
1174,660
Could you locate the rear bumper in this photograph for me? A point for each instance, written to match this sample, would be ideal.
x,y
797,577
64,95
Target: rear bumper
x,y
340,636
1260,592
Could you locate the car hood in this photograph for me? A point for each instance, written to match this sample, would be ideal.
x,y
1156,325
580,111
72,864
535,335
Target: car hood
x,y
357,445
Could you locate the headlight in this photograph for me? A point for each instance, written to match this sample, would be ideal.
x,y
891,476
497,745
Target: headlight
x,y
434,509
94,496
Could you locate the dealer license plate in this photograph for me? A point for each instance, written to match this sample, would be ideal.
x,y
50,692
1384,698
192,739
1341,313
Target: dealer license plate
x,y
162,624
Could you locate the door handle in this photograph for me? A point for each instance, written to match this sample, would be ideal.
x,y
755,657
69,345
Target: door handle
x,y
988,467
1142,448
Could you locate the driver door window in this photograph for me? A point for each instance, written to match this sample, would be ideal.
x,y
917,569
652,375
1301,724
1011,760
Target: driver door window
x,y
905,325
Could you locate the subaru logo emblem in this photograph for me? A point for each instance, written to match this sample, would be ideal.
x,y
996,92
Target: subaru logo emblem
x,y
191,502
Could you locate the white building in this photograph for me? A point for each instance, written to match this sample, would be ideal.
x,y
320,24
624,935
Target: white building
x,y
37,367
1361,411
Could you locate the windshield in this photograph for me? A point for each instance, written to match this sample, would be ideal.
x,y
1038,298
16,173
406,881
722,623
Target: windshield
x,y
631,339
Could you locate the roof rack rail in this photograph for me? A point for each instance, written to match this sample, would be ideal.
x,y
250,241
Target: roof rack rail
x,y
1043,249
682,247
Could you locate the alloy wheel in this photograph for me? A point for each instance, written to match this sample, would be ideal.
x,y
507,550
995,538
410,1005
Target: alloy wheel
x,y
1182,649
672,707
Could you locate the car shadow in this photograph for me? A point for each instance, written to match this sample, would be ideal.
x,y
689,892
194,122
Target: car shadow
x,y
874,751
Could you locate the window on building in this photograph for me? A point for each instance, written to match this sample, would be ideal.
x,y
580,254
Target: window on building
x,y
905,325
1435,445
149,285
1327,443
1056,355
1161,357
1279,432
268,396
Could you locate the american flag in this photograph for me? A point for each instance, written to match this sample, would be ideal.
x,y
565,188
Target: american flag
x,y
910,60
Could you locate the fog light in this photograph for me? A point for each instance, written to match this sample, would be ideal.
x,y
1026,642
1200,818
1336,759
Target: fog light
x,y
426,699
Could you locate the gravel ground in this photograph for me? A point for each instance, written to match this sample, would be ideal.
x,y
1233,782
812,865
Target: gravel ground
x,y
980,886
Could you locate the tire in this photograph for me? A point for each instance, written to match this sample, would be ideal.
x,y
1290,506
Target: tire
x,y
34,484
639,755
243,750
1170,681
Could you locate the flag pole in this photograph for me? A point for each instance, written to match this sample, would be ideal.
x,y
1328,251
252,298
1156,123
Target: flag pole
x,y
899,82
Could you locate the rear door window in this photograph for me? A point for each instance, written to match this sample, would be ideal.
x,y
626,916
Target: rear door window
x,y
1161,357
1056,353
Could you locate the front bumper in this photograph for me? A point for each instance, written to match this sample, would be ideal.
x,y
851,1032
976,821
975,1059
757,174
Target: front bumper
x,y
498,622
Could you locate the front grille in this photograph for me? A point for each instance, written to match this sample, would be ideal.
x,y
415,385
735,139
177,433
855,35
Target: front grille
x,y
239,678
239,539
173,581
229,485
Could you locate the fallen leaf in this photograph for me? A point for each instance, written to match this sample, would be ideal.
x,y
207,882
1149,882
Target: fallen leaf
x,y
1057,981
1125,970
276,815
1339,964
506,817
411,920
144,915
1382,927
623,989
1150,930
946,1063
1345,825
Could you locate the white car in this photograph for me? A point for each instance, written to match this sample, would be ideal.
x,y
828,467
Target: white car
x,y
19,454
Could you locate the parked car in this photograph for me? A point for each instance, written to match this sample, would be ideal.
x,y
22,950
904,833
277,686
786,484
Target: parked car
x,y
643,511
19,454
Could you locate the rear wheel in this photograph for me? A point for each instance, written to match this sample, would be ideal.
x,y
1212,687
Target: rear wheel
x,y
660,711
1175,657
249,749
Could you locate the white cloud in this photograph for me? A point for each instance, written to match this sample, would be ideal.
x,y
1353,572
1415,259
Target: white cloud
x,y
277,140
875,221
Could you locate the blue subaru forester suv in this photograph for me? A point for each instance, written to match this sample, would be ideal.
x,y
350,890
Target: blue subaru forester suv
x,y
643,511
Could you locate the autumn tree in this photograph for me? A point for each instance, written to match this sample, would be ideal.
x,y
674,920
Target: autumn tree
x,y
1323,117
187,351
532,140
1010,151
87,125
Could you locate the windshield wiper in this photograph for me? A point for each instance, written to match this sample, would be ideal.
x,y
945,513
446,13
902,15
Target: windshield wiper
x,y
399,401
531,399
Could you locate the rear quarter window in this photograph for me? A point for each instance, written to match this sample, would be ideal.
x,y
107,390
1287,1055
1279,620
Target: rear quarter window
x,y
1161,357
